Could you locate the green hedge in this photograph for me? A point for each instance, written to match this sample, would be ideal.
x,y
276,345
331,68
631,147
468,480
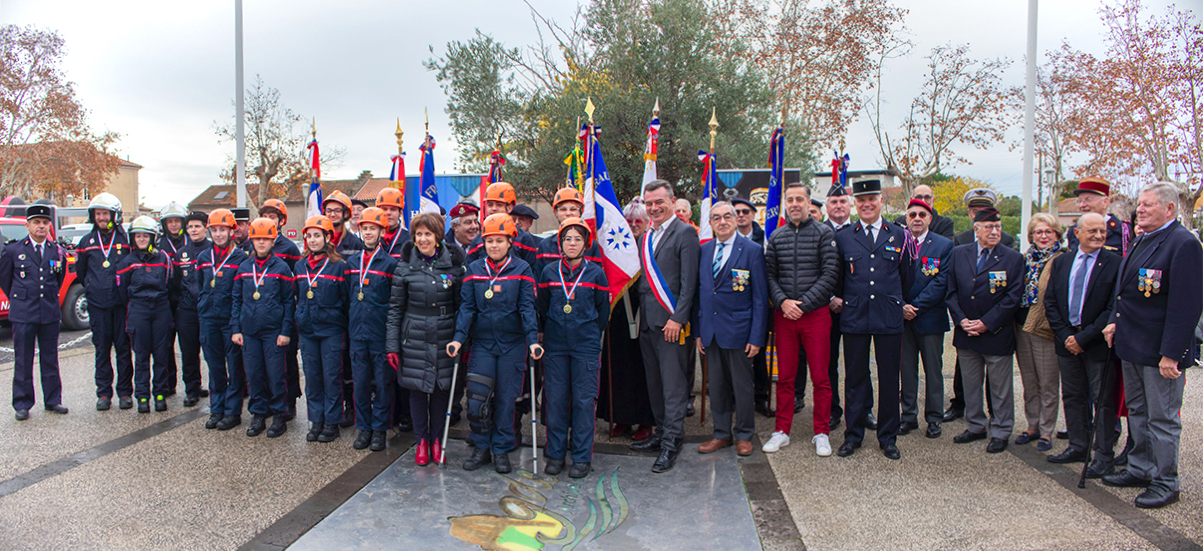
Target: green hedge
x,y
1011,224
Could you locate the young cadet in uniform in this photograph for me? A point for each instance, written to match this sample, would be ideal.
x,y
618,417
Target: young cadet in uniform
x,y
171,240
567,204
143,278
337,208
393,239
188,322
574,299
96,262
261,322
500,198
31,271
322,322
274,210
426,296
497,309
370,274
216,269
875,267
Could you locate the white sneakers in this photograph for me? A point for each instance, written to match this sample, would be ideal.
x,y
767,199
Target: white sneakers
x,y
776,442
822,447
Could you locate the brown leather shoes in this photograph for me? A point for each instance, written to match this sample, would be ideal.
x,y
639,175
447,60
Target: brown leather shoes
x,y
743,448
713,445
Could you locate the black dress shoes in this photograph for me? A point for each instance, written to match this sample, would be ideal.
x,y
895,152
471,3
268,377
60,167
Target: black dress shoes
x,y
104,403
997,445
214,419
891,451
1124,479
1068,456
906,427
22,414
1063,435
501,463
665,461
363,440
1100,468
125,402
653,443
953,413
968,436
229,421
835,422
329,434
847,448
870,422
478,459
934,430
1155,497
690,409
315,430
579,470
378,441
762,406
258,424
799,404
57,408
553,466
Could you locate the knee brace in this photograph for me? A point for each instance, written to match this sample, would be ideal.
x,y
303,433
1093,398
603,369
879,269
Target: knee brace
x,y
480,416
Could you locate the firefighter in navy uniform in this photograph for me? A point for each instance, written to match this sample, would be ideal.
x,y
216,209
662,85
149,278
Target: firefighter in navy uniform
x,y
370,280
274,210
574,300
566,204
31,271
143,281
216,270
875,267
261,322
322,322
171,239
337,208
500,198
96,261
497,309
188,322
393,239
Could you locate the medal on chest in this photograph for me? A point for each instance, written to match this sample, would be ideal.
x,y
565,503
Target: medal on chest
x,y
493,277
1149,281
569,293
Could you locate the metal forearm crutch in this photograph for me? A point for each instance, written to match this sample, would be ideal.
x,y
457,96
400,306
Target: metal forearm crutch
x,y
534,419
451,391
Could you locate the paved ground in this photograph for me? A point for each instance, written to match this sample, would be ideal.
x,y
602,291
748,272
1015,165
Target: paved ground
x,y
120,480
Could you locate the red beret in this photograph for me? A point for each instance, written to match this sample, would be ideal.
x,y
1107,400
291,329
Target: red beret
x,y
919,203
463,209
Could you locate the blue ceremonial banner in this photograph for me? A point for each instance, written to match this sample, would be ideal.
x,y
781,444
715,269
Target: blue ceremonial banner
x,y
773,203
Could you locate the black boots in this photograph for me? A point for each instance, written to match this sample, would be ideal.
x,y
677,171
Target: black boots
x,y
479,459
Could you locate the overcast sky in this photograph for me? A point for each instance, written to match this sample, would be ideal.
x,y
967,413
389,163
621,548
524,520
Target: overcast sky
x,y
161,72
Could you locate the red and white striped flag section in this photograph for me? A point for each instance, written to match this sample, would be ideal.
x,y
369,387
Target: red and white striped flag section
x,y
397,174
710,194
654,129
313,199
620,254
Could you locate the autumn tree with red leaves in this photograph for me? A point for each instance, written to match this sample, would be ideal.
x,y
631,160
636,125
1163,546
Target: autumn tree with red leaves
x,y
46,146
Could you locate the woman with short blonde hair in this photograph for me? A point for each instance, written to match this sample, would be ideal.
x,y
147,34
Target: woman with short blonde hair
x,y
1035,351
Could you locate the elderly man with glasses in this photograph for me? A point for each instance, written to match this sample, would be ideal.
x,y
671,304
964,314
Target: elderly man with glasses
x,y
1094,195
940,225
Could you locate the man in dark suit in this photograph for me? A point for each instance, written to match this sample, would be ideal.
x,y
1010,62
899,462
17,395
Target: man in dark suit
x,y
984,292
875,267
1078,300
927,321
748,228
731,317
1158,304
31,271
1093,195
668,251
975,200
940,225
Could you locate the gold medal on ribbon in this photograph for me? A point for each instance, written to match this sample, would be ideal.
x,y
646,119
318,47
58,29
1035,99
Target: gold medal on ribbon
x,y
488,293
213,283
568,308
105,264
256,295
361,297
309,294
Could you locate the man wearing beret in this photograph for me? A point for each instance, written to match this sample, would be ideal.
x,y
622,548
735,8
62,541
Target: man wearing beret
x,y
1094,195
940,225
524,217
465,225
927,321
985,289
1152,329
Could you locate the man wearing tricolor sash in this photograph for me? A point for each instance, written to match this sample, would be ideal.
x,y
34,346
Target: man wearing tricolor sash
x,y
669,257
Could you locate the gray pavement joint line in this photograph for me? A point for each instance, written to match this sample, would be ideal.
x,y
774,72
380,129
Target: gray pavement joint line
x,y
775,525
294,524
74,460
1125,513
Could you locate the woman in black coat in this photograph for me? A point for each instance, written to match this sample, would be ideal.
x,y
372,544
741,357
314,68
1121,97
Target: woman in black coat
x,y
422,320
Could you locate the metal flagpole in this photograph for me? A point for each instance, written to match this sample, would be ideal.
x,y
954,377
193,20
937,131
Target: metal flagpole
x,y
610,389
1030,86
714,124
240,139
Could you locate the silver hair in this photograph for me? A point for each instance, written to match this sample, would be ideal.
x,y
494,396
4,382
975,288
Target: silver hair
x,y
635,209
1166,192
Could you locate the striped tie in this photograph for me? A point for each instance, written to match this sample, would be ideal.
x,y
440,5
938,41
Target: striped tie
x,y
717,265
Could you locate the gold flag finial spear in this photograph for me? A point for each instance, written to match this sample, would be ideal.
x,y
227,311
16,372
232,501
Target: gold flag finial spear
x,y
714,125
314,128
399,133
589,109
656,108
427,123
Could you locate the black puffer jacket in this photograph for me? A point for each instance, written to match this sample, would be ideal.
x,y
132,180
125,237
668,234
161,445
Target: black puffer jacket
x,y
800,261
422,316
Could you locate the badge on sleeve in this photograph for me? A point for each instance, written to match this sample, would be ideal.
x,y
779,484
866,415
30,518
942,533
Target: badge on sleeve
x,y
998,280
739,279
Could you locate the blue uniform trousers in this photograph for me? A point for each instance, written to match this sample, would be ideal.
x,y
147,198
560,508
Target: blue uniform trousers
x,y
858,390
322,359
224,359
188,327
150,329
571,393
47,337
108,333
373,385
507,371
264,362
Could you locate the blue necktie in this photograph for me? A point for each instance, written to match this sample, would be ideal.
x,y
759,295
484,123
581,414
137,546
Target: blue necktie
x,y
1076,292
982,259
717,265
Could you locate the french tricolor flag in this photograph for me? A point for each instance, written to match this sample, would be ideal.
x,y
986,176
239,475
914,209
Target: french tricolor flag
x,y
620,253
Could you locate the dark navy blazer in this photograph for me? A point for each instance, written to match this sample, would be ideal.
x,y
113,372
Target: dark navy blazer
x,y
1096,305
1163,324
970,297
927,292
723,314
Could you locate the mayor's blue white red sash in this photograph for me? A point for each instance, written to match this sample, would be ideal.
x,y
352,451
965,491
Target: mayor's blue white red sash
x,y
656,280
